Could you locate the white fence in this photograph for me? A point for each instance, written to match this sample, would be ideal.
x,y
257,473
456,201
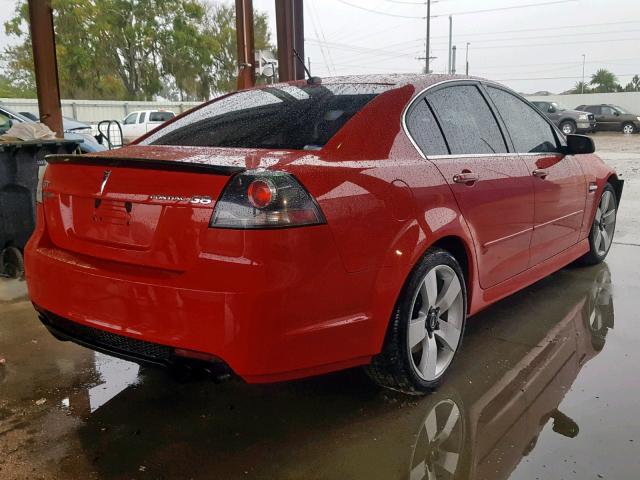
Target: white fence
x,y
630,101
93,111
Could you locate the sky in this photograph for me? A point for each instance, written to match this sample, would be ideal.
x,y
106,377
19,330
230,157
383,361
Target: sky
x,y
539,45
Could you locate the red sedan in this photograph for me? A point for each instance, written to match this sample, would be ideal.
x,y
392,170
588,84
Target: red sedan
x,y
301,228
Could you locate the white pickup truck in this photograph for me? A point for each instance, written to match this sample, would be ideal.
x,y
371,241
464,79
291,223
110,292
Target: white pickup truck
x,y
138,123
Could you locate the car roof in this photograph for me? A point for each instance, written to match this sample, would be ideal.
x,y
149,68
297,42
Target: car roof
x,y
394,80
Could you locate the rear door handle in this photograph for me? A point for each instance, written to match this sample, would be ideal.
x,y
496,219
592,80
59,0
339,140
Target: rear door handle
x,y
539,173
466,177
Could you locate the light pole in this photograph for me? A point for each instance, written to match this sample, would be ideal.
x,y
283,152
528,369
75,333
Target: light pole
x,y
584,59
426,57
450,41
467,59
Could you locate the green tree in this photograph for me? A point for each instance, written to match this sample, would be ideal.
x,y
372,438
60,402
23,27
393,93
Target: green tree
x,y
581,87
135,49
604,81
633,85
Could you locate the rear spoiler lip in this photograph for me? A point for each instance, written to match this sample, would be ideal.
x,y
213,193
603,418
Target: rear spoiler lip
x,y
143,163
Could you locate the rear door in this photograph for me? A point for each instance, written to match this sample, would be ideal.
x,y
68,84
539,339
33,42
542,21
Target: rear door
x,y
492,186
559,184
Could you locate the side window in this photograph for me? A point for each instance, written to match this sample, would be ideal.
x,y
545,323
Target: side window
x,y
131,119
607,111
143,115
594,110
530,132
466,120
425,130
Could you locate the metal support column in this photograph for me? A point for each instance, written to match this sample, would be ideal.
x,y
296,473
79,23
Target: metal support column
x,y
290,33
246,48
45,64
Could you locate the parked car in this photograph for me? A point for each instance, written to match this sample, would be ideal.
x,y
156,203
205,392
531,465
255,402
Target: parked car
x,y
73,130
68,124
611,118
569,121
137,124
302,228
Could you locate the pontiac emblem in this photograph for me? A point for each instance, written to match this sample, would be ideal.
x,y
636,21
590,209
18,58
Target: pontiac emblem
x,y
105,179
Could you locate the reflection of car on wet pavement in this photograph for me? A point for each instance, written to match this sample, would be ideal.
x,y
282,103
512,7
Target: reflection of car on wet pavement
x,y
297,229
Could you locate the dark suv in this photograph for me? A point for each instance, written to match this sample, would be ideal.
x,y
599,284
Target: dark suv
x,y
569,121
611,118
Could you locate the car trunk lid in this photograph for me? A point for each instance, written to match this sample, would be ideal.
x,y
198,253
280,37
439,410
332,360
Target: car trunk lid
x,y
140,205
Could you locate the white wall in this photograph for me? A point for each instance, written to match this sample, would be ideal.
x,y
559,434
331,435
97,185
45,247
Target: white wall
x,y
93,111
630,101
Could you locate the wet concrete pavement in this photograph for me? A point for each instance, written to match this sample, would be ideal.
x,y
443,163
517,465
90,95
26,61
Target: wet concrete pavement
x,y
546,386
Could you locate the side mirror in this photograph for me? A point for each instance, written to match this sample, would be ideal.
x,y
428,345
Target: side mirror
x,y
617,114
579,145
551,109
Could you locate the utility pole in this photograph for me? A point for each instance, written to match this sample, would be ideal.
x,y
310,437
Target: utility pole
x,y
584,60
453,60
426,57
467,60
43,44
450,42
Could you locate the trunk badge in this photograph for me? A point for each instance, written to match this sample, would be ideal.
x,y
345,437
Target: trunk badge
x,y
105,179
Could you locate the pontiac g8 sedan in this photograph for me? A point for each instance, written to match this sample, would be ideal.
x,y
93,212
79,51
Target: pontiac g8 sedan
x,y
301,228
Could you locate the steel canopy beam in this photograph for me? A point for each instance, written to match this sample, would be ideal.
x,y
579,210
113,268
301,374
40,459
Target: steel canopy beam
x,y
45,64
290,34
246,46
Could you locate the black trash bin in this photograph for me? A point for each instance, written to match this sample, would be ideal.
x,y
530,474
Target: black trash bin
x,y
19,164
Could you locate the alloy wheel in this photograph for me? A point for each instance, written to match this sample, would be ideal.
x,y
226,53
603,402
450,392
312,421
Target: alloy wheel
x,y
605,223
435,323
567,129
628,129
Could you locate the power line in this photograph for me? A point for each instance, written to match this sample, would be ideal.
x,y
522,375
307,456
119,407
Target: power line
x,y
379,12
556,78
468,12
497,9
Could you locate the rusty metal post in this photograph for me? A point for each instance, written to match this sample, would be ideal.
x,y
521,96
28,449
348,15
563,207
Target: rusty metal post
x,y
246,46
45,64
290,34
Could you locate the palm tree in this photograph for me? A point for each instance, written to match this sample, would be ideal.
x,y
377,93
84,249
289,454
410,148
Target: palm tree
x,y
634,84
605,81
581,87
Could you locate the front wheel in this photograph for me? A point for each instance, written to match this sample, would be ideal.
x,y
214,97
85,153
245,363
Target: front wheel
x,y
629,128
603,228
568,128
426,327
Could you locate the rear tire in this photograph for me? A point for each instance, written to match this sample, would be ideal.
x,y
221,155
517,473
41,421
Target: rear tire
x,y
426,327
603,228
12,263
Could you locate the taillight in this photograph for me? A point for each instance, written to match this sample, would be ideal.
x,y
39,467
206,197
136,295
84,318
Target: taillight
x,y
41,170
265,199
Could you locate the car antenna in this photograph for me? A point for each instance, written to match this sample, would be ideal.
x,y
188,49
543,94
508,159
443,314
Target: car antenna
x,y
310,80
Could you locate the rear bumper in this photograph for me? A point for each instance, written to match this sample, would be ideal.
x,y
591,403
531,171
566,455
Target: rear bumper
x,y
284,308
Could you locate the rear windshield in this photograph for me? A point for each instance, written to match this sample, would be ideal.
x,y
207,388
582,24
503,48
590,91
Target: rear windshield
x,y
283,117
161,116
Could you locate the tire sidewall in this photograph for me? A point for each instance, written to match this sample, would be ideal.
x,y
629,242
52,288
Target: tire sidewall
x,y
573,127
430,260
594,248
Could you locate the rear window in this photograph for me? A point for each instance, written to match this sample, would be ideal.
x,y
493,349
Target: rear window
x,y
283,117
161,116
